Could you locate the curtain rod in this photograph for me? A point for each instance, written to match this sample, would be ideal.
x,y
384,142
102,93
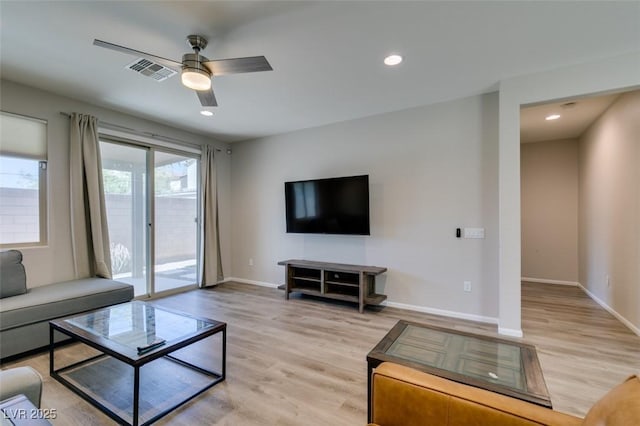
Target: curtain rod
x,y
141,133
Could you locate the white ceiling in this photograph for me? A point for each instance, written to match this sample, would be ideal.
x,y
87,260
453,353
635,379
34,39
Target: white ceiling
x,y
327,55
576,115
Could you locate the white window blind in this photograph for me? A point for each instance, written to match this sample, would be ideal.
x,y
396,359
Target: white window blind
x,y
23,181
23,137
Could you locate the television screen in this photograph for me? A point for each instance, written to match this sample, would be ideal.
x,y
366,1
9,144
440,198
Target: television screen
x,y
328,206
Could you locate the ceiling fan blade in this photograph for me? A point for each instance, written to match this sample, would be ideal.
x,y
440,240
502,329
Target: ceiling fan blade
x,y
207,98
238,65
176,66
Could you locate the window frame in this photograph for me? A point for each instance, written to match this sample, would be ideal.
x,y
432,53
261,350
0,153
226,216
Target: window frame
x,y
43,188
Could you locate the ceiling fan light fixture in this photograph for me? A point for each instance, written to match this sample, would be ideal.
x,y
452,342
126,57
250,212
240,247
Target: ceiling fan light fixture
x,y
196,71
196,79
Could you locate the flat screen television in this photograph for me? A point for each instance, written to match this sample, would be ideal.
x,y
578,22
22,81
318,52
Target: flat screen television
x,y
328,206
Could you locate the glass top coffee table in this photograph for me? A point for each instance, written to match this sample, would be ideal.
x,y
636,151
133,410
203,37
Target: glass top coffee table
x,y
140,362
499,365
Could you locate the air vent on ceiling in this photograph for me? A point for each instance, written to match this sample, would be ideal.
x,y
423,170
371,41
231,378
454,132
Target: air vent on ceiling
x,y
151,69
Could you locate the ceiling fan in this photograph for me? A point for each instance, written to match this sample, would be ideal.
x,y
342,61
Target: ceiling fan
x,y
196,70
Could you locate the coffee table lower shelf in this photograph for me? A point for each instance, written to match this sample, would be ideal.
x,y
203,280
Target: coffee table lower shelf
x,y
87,379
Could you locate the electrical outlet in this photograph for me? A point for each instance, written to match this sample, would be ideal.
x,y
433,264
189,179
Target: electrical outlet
x,y
467,286
251,261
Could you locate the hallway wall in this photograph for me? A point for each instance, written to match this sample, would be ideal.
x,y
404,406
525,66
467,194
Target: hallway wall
x,y
609,209
549,188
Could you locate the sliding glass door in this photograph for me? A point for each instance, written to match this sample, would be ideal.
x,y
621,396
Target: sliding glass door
x,y
124,172
176,220
142,183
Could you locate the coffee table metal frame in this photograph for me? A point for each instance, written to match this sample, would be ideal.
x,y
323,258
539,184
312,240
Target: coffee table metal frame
x,y
536,388
109,349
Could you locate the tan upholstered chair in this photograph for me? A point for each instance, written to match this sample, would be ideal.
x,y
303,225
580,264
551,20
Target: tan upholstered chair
x,y
402,396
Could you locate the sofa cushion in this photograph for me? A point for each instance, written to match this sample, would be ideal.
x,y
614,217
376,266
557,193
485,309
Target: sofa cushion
x,y
619,407
61,299
13,280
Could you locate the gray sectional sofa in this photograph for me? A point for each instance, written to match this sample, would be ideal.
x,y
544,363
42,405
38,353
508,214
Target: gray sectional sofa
x,y
25,313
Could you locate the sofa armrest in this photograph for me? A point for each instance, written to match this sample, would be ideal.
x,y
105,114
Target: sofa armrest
x,y
21,380
407,397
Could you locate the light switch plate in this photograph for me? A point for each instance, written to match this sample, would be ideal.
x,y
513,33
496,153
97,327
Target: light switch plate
x,y
473,233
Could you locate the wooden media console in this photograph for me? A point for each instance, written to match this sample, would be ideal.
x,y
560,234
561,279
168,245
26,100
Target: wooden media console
x,y
351,283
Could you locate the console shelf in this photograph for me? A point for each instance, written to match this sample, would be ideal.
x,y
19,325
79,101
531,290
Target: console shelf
x,y
351,283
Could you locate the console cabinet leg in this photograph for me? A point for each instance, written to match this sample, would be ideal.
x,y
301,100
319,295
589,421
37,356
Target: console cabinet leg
x,y
287,282
362,284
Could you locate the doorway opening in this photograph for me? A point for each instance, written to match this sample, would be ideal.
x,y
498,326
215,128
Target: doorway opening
x,y
580,194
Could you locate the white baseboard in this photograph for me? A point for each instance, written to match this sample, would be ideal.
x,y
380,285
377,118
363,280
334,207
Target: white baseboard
x,y
253,282
434,311
442,312
510,332
546,281
609,309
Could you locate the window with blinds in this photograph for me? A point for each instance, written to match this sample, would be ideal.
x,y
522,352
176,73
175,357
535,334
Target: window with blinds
x,y
23,181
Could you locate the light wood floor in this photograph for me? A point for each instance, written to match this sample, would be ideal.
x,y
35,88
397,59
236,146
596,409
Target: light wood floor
x,y
303,362
584,350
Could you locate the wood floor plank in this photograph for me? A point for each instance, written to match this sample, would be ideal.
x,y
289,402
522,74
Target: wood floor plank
x,y
303,361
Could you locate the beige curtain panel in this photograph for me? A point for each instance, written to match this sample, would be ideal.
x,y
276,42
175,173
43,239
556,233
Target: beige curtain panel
x,y
90,235
211,259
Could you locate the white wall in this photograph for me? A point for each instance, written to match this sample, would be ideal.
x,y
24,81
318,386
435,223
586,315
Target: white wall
x,y
610,208
607,74
431,169
53,263
549,187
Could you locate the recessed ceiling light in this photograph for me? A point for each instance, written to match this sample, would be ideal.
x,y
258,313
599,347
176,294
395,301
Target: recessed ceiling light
x,y
392,60
206,113
552,117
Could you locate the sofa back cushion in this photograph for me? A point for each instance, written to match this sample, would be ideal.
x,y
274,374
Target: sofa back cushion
x,y
619,407
13,280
